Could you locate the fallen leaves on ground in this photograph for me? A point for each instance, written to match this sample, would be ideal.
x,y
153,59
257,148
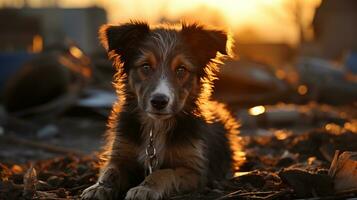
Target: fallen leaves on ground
x,y
293,167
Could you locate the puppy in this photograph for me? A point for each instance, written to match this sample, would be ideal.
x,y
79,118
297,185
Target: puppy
x,y
165,134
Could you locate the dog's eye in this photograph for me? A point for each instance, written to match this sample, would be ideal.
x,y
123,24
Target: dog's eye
x,y
181,71
146,68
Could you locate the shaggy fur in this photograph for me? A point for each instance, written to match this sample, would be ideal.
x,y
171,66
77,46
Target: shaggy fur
x,y
196,139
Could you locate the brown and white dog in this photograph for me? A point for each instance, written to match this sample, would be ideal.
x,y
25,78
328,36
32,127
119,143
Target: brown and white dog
x,y
164,84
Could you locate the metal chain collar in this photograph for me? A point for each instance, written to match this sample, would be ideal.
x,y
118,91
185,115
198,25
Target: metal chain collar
x,y
151,157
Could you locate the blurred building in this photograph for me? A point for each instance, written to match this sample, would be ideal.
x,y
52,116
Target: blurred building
x,y
19,32
21,28
335,27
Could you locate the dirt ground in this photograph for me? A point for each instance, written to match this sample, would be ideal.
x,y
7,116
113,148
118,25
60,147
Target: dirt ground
x,y
284,159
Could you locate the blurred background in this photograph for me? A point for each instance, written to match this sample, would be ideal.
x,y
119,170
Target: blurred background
x,y
294,68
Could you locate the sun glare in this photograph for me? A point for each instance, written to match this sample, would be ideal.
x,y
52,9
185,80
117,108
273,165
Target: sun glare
x,y
257,110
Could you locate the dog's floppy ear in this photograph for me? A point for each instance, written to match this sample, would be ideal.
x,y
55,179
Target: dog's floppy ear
x,y
204,43
123,39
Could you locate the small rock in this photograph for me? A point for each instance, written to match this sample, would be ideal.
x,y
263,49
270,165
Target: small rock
x,y
2,131
254,179
55,181
61,192
43,186
49,131
306,184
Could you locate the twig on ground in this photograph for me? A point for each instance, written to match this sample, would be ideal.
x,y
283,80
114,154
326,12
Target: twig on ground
x,y
40,145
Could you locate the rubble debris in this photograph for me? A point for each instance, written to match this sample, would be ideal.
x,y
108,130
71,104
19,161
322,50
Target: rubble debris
x,y
63,73
97,98
288,168
321,77
306,184
281,115
254,82
247,83
62,177
302,156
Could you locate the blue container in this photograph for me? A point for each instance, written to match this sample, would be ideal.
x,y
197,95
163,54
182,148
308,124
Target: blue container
x,y
10,63
351,62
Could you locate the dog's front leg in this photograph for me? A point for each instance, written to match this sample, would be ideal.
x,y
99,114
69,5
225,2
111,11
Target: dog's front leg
x,y
111,181
165,182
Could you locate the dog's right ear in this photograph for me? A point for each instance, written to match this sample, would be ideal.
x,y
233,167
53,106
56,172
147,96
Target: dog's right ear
x,y
123,39
204,43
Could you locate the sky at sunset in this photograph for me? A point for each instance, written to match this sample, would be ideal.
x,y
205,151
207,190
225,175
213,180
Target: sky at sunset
x,y
267,20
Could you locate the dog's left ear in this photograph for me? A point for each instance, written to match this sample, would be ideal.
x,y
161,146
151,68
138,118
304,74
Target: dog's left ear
x,y
204,43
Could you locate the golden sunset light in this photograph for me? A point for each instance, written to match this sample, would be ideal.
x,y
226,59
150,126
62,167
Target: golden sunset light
x,y
270,20
178,99
266,20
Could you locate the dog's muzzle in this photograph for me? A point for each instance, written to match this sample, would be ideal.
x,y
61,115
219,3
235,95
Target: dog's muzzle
x,y
159,101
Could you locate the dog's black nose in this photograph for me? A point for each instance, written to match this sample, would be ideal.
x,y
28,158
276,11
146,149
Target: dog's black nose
x,y
159,101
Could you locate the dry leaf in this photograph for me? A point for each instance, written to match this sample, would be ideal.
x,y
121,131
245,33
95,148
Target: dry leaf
x,y
343,170
30,181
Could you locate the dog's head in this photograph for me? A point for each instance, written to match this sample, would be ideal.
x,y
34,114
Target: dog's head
x,y
164,66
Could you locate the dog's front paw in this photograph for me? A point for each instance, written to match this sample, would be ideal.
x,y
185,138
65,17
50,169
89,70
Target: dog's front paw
x,y
143,193
97,192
